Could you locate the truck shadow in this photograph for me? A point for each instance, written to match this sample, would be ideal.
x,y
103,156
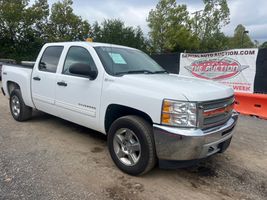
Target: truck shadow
x,y
216,173
205,168
39,116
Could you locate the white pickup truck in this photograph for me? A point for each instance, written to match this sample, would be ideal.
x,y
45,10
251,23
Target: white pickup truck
x,y
148,114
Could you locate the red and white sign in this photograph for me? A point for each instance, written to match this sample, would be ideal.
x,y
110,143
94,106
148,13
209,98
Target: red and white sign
x,y
235,68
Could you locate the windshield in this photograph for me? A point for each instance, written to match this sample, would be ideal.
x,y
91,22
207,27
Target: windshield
x,y
119,61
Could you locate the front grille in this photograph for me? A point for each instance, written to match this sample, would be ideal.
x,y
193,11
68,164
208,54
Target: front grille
x,y
217,112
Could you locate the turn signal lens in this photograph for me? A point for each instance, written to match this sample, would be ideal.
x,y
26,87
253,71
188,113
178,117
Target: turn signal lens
x,y
166,118
166,106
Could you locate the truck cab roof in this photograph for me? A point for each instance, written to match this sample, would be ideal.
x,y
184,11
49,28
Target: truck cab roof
x,y
91,44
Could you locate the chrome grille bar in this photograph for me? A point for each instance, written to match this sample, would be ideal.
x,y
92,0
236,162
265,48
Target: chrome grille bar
x,y
217,112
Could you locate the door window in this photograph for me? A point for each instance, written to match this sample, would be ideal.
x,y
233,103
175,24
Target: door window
x,y
50,58
78,55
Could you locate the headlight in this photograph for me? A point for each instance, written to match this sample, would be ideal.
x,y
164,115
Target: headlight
x,y
176,113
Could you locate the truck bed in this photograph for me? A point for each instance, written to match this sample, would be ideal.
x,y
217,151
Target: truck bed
x,y
24,65
20,75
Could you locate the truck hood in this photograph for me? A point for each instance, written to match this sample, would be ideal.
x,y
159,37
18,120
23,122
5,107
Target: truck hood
x,y
173,86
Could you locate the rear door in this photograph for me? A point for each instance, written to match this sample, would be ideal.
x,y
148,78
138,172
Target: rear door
x,y
44,79
78,97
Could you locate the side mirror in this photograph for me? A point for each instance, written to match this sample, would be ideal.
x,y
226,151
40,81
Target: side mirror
x,y
83,69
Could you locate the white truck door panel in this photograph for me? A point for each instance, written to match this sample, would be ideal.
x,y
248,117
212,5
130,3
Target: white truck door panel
x,y
44,79
43,88
78,97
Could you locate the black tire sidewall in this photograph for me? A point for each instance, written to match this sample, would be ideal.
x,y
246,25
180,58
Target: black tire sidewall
x,y
145,152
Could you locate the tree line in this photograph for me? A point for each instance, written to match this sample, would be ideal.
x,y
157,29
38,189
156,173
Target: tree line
x,y
173,28
25,28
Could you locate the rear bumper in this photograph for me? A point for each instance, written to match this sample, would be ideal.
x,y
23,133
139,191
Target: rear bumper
x,y
176,144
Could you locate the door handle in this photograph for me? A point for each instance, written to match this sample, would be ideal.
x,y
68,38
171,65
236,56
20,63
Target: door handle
x,y
62,83
36,78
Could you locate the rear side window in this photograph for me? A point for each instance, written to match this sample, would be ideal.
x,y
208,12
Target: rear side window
x,y
50,58
78,55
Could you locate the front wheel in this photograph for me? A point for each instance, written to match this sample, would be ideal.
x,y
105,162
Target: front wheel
x,y
18,109
131,145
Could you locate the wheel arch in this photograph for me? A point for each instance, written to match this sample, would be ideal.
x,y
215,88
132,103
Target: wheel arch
x,y
25,91
115,111
11,85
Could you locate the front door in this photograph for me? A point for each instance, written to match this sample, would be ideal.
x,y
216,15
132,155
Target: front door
x,y
78,97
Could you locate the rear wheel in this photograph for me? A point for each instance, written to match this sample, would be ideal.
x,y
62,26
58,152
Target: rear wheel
x,y
18,109
131,145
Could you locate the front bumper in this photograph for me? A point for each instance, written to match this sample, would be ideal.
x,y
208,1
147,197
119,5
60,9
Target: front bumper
x,y
176,144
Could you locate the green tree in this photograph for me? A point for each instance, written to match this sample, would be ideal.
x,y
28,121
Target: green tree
x,y
169,25
19,27
11,15
241,38
34,29
263,45
207,24
115,31
64,25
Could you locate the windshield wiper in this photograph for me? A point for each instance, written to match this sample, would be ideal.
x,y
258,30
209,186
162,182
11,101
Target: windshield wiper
x,y
142,72
135,72
161,72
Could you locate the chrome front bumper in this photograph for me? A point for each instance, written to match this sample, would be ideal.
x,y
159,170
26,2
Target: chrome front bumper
x,y
190,144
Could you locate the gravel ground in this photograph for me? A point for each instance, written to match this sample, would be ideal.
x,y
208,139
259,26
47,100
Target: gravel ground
x,y
50,158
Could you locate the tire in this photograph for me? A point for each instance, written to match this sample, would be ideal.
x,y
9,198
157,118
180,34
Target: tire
x,y
135,162
18,109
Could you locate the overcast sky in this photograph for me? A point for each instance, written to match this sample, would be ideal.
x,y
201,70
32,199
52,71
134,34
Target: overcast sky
x,y
251,13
